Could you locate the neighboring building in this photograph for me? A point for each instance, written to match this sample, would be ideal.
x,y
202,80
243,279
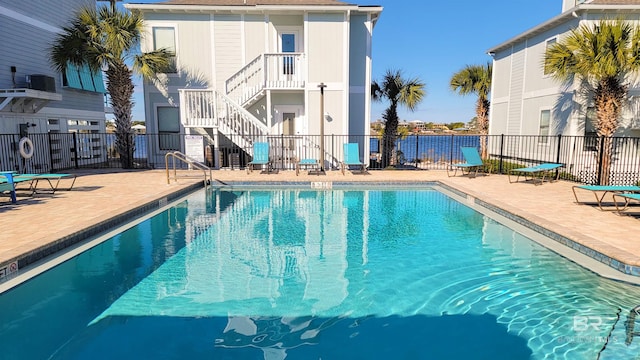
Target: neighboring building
x,y
248,70
35,98
526,101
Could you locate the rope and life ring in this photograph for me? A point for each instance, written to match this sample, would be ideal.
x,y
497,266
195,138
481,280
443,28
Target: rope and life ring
x,y
26,147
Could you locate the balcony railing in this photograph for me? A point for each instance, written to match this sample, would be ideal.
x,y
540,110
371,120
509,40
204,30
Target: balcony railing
x,y
267,71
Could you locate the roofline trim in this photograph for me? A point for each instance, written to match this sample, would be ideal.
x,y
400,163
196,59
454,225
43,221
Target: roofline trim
x,y
573,12
235,8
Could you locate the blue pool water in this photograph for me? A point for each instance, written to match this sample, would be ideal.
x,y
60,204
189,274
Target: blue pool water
x,y
301,274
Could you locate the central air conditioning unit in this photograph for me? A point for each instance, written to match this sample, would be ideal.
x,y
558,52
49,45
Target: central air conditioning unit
x,y
43,83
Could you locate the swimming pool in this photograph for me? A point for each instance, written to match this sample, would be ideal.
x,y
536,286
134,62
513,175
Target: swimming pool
x,y
304,274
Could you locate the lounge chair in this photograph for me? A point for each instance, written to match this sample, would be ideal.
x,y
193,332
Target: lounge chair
x,y
260,157
536,174
52,179
626,198
473,163
352,158
308,163
600,191
8,183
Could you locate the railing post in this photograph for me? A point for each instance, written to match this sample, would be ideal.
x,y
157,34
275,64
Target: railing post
x,y
500,167
600,158
333,148
75,150
558,149
264,71
451,150
50,152
415,159
282,151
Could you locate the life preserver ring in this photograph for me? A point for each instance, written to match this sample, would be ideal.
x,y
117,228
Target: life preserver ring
x,y
26,147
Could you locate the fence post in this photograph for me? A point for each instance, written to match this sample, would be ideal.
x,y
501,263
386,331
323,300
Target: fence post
x,y
415,159
451,151
600,158
75,150
50,152
558,149
558,152
282,151
500,167
333,150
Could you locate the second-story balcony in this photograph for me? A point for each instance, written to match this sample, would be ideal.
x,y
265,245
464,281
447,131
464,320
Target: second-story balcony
x,y
284,71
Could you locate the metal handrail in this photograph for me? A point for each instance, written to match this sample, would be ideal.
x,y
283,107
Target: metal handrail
x,y
193,163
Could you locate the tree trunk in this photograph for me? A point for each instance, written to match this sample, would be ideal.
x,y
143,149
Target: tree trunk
x,y
120,88
390,134
482,114
608,98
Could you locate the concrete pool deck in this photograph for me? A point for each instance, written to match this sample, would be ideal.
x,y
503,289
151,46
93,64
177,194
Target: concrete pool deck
x,y
41,225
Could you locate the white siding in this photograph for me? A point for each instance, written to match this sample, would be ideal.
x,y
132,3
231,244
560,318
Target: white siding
x,y
516,88
194,49
227,47
501,75
254,34
326,48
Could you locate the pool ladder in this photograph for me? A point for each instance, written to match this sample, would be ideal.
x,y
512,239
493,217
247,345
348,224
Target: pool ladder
x,y
193,164
630,325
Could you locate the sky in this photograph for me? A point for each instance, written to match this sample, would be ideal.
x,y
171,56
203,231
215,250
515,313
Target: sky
x,y
433,39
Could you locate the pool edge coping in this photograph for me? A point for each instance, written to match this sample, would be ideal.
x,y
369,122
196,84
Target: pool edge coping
x,y
65,242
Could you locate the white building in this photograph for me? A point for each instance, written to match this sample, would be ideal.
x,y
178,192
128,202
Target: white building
x,y
526,101
247,68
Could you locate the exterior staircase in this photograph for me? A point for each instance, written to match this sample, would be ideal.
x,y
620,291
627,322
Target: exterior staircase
x,y
227,112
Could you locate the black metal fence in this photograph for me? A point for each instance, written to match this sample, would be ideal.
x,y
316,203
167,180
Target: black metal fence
x,y
581,156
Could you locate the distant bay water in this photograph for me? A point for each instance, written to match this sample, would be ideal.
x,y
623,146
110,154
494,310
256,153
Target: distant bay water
x,y
429,147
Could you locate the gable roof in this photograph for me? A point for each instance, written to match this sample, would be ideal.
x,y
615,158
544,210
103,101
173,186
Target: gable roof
x,y
617,6
235,6
251,2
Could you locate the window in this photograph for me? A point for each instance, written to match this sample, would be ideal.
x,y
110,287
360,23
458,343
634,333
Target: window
x,y
590,133
164,38
168,127
550,43
545,118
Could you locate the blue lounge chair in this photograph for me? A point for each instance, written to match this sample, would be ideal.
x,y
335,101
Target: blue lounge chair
x,y
8,181
308,163
627,198
473,163
52,179
260,157
352,158
536,174
600,191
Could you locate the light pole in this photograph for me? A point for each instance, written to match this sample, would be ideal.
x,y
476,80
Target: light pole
x,y
322,86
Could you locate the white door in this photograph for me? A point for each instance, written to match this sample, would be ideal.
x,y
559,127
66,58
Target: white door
x,y
288,42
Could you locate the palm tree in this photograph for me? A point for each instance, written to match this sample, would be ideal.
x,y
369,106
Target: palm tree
x,y
476,79
107,38
601,56
399,91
